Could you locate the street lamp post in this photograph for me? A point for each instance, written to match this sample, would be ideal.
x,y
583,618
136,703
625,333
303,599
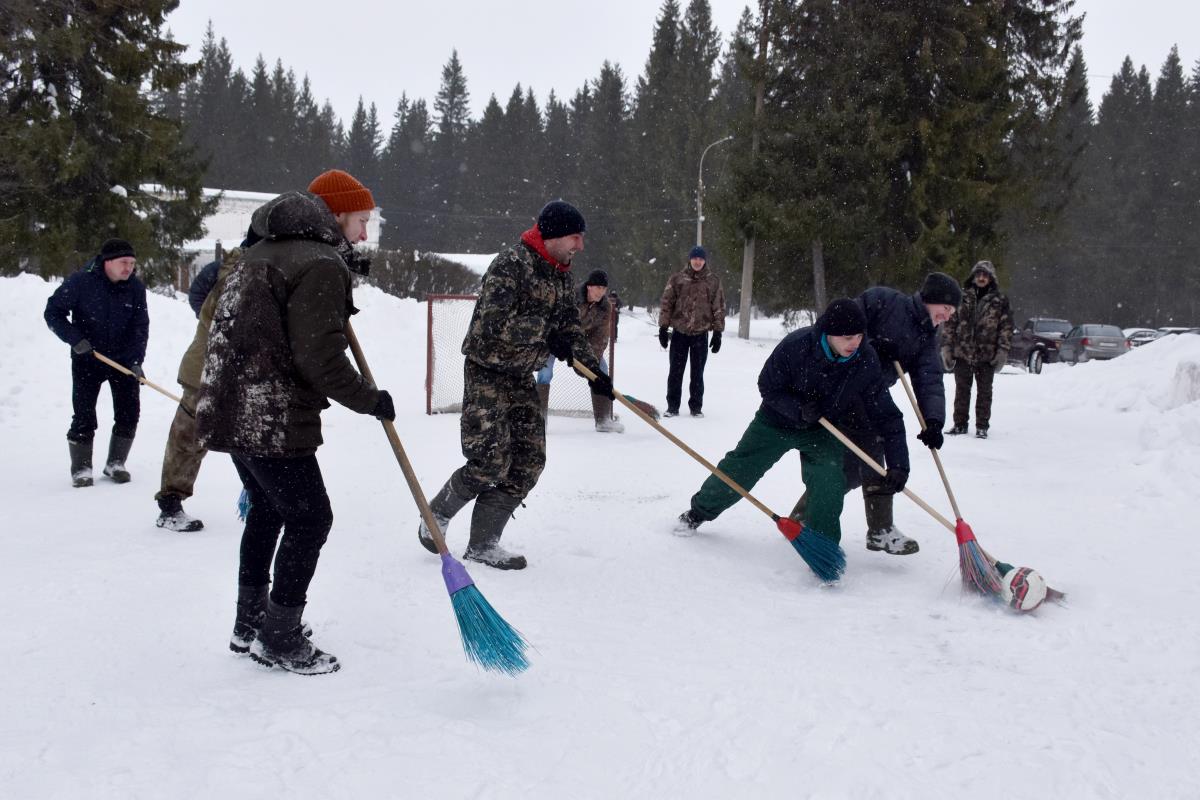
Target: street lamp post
x,y
700,192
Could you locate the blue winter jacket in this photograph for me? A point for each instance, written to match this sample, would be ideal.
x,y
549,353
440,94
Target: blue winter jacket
x,y
798,369
202,284
904,320
112,316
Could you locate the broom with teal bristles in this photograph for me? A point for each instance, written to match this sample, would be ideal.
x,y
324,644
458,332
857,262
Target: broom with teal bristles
x,y
487,638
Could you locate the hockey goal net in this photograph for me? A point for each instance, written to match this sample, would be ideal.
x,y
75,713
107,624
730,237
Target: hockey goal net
x,y
448,318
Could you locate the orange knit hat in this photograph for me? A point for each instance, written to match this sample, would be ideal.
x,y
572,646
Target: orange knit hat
x,y
342,192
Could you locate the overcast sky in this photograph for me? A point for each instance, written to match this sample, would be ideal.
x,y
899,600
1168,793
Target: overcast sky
x,y
353,49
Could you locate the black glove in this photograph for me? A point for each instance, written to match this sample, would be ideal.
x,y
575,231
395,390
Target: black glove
x,y
932,436
82,347
136,369
560,345
887,351
384,409
664,338
810,411
715,345
602,385
895,479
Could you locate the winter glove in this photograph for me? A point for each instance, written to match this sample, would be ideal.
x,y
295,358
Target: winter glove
x,y
560,345
947,359
664,337
602,385
715,345
384,409
932,436
810,410
895,480
82,347
887,351
136,369
1000,360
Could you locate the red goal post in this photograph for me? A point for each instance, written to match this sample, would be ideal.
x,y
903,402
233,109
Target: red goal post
x,y
448,318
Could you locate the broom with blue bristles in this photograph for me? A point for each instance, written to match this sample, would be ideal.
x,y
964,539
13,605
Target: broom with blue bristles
x,y
487,638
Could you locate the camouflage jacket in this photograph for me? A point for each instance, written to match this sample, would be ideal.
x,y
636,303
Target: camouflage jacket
x,y
982,325
277,345
524,299
693,302
593,317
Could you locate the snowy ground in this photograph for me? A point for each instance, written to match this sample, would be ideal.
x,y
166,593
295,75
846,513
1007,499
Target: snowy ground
x,y
665,667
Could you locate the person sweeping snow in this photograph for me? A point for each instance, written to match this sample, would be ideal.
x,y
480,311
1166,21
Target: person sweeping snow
x,y
819,371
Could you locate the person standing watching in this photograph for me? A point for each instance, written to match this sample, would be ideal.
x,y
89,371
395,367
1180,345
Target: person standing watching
x,y
975,346
106,305
693,304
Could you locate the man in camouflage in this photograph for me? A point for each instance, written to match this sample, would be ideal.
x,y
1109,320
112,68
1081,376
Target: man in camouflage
x,y
975,345
693,303
525,312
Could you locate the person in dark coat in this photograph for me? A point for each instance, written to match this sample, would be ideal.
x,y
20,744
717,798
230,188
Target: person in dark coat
x,y
900,328
203,284
102,308
976,346
815,372
693,303
275,357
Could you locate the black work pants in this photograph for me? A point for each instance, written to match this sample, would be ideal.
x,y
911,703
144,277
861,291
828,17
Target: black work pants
x,y
685,347
285,494
88,374
983,375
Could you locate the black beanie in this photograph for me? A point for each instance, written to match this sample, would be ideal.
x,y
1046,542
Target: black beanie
x,y
115,248
698,252
598,277
559,218
842,317
940,289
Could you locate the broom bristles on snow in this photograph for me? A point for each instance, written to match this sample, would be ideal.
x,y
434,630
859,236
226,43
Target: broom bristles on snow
x,y
487,638
823,555
978,571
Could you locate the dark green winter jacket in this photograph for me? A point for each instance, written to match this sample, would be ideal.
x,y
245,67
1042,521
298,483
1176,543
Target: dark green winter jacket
x,y
277,345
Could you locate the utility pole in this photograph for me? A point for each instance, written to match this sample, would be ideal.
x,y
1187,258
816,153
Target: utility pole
x,y
700,192
760,89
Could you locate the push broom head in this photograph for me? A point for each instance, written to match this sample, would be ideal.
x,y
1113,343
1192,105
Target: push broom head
x,y
823,555
487,638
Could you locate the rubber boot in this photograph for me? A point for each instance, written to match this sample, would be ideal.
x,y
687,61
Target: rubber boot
x,y
173,517
118,451
602,411
81,463
543,393
251,613
493,509
281,643
445,504
882,533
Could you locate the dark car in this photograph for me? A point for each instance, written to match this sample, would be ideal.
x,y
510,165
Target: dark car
x,y
1088,342
1036,342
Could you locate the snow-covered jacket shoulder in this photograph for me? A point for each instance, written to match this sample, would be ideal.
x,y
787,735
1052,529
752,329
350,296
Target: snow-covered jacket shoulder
x,y
113,317
798,371
904,320
276,348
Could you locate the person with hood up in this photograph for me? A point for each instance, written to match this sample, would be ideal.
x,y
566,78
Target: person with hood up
x,y
976,347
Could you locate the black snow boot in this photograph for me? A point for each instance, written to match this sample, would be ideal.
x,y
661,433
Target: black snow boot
x,y
445,504
882,533
118,451
173,517
957,430
281,643
81,463
251,611
492,511
980,433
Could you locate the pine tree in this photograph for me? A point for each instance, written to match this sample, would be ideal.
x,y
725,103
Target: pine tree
x,y
363,143
449,141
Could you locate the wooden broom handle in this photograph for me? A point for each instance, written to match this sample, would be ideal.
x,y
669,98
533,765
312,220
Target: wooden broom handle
x,y
728,481
130,373
406,467
912,398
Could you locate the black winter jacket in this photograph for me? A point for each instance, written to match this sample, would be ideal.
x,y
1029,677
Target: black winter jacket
x,y
112,316
798,370
202,284
904,320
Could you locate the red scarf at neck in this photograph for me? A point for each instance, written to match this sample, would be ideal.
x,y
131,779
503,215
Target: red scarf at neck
x,y
533,238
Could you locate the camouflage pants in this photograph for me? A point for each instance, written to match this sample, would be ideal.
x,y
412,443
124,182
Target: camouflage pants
x,y
964,373
503,432
182,457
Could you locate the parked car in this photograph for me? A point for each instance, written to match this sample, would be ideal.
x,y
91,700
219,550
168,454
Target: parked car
x,y
1172,331
1140,336
1088,342
1036,342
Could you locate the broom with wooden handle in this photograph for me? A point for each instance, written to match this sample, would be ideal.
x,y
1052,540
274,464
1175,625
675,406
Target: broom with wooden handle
x,y
820,552
487,638
132,374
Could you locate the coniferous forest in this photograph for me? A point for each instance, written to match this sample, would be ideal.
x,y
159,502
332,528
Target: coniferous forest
x,y
871,141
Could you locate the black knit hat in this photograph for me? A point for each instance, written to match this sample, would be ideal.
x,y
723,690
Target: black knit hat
x,y
940,289
597,277
698,252
842,317
559,218
115,248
